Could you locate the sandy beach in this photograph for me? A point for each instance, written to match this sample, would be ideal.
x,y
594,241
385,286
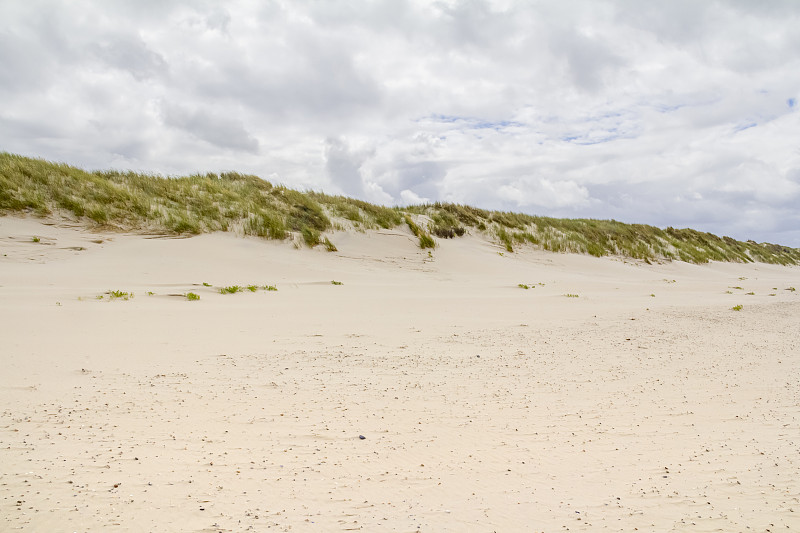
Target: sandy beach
x,y
611,395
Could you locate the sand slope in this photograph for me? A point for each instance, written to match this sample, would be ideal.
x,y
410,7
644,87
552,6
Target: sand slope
x,y
645,402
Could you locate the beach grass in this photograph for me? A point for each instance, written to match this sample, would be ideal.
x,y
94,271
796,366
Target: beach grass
x,y
249,205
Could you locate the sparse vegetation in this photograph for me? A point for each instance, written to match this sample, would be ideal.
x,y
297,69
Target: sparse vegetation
x,y
737,308
36,239
233,289
336,283
230,201
570,295
192,296
523,286
206,284
791,289
113,295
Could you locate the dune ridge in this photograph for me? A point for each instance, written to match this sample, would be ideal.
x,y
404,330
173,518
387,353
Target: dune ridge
x,y
249,205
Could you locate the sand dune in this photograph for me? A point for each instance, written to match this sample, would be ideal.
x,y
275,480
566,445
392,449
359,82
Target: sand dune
x,y
644,402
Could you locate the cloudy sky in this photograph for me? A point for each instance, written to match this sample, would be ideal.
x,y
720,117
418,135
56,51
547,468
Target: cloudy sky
x,y
678,113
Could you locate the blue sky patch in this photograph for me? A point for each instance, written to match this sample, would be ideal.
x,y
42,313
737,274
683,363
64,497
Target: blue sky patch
x,y
746,126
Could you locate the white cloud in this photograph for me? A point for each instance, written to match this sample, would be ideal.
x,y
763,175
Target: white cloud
x,y
542,192
673,113
409,197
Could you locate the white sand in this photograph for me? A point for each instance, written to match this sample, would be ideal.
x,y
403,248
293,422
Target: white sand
x,y
484,407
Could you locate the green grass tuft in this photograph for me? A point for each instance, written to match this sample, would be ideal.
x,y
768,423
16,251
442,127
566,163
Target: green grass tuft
x,y
192,296
336,283
425,240
737,308
523,286
329,245
233,289
113,295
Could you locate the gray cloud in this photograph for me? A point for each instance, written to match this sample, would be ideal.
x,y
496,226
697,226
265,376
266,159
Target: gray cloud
x,y
130,54
344,167
220,131
674,113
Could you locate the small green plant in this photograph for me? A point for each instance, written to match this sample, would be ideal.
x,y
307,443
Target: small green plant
x,y
192,296
652,295
742,278
750,294
772,294
329,245
728,292
270,288
523,286
36,239
150,293
737,308
336,283
119,294
233,289
570,295
252,288
737,288
791,289
99,297
206,284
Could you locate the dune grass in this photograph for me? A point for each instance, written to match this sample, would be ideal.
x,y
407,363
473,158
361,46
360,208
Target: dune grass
x,y
249,205
425,240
